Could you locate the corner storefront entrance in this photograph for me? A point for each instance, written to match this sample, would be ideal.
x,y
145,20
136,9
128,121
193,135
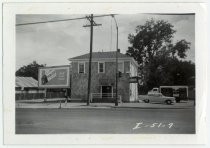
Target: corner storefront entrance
x,y
107,93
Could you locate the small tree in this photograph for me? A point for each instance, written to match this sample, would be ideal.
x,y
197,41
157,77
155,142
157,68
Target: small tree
x,y
30,70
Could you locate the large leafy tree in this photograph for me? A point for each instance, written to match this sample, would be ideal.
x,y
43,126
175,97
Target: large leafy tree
x,y
30,70
154,38
159,58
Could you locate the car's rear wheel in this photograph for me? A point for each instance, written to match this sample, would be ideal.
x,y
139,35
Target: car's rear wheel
x,y
169,102
146,101
177,100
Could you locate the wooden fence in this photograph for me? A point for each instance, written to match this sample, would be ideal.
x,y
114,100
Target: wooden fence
x,y
38,95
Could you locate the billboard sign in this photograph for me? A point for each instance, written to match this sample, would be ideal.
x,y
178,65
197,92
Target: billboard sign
x,y
54,77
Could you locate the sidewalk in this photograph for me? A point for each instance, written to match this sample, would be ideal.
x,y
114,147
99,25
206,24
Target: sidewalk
x,y
55,103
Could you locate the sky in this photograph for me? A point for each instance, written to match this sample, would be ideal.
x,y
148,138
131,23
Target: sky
x,y
53,43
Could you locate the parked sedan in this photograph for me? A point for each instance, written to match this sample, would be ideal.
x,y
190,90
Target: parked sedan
x,y
158,98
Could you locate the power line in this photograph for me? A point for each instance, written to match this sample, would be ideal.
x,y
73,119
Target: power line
x,y
52,21
62,20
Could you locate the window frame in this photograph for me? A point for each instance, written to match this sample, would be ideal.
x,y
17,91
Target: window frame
x,y
99,67
122,66
79,65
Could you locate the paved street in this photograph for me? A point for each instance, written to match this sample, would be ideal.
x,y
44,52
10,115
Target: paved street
x,y
104,120
55,103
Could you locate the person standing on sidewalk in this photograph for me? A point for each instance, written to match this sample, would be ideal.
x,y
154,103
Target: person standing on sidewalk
x,y
66,96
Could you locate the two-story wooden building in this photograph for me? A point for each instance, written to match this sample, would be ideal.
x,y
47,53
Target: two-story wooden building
x,y
103,76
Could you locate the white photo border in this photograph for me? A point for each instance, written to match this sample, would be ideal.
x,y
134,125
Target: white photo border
x,y
11,9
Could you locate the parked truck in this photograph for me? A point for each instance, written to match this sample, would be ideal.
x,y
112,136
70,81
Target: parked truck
x,y
179,92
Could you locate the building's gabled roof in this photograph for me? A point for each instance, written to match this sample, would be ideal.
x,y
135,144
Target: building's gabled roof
x,y
100,55
103,56
25,82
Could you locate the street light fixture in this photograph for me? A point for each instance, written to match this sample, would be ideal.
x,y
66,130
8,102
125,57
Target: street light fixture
x,y
116,100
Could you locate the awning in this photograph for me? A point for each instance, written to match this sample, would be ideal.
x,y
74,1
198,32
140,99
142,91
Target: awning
x,y
135,79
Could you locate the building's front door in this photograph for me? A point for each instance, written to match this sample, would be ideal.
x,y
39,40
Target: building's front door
x,y
106,93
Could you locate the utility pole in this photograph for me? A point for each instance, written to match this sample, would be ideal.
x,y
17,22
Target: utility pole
x,y
116,99
92,23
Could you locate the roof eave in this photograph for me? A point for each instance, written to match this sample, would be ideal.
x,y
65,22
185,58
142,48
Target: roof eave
x,y
101,59
125,58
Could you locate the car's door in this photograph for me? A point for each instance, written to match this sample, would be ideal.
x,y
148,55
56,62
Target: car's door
x,y
157,98
160,98
153,98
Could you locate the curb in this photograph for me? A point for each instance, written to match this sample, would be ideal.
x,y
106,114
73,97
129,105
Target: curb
x,y
50,105
105,107
155,107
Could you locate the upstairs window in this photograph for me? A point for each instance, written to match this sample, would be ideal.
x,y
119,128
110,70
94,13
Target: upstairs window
x,y
81,68
101,67
121,67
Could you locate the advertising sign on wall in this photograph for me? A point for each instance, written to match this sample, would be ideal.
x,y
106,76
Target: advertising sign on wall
x,y
54,77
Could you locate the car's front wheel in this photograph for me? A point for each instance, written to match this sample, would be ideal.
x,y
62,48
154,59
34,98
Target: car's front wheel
x,y
169,102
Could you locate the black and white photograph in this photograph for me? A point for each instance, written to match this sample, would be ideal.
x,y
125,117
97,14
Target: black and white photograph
x,y
105,74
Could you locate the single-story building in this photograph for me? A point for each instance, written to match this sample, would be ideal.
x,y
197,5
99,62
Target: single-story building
x,y
27,88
